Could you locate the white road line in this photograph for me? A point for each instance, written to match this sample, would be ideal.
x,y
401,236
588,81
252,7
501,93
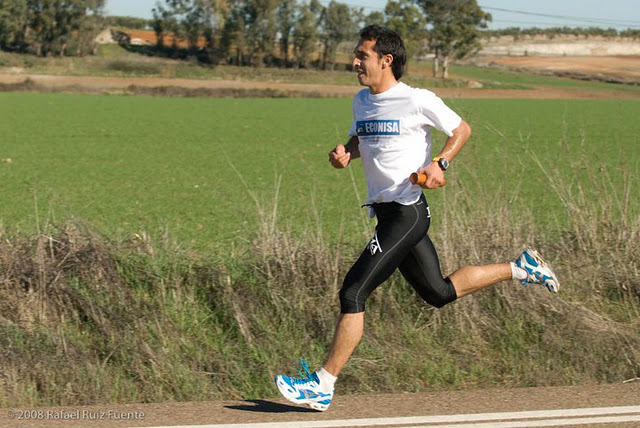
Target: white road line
x,y
537,423
593,415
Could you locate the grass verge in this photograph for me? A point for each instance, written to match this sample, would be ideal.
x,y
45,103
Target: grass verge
x,y
84,320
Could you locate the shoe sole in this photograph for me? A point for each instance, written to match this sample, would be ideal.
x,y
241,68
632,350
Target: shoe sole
x,y
319,407
283,388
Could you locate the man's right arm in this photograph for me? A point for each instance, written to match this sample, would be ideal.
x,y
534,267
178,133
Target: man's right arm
x,y
342,154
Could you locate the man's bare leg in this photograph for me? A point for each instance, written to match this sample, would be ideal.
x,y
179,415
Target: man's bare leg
x,y
347,335
469,279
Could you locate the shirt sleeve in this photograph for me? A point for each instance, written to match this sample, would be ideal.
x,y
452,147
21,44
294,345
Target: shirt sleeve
x,y
354,106
438,114
352,130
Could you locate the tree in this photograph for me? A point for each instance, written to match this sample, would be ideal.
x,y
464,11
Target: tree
x,y
251,27
159,24
305,31
455,29
194,19
261,30
53,22
374,18
127,22
286,15
338,25
233,35
183,18
198,22
13,25
216,13
406,19
89,28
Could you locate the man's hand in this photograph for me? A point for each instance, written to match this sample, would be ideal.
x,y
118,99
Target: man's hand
x,y
435,176
339,157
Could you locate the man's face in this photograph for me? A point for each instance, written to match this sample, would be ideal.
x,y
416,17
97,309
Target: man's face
x,y
368,64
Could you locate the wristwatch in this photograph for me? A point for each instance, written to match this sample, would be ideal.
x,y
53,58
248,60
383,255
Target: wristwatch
x,y
442,163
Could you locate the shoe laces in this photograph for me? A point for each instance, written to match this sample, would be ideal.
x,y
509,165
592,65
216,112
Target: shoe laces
x,y
305,377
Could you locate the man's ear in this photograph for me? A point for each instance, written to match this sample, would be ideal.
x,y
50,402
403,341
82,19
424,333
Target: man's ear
x,y
387,60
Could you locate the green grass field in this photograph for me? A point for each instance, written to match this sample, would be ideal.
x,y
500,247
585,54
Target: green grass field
x,y
191,167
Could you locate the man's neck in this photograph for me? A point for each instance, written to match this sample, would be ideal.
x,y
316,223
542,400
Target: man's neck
x,y
383,86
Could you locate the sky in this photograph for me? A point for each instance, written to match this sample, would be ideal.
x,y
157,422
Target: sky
x,y
618,14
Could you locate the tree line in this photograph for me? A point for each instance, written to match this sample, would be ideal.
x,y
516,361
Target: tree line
x,y
553,32
50,27
246,32
290,32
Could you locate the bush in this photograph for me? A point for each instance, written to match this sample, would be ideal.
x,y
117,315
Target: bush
x,y
134,67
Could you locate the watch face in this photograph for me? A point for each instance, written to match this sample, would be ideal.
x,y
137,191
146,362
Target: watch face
x,y
444,164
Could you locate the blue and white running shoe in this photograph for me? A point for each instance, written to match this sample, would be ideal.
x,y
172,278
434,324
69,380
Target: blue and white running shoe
x,y
304,390
538,271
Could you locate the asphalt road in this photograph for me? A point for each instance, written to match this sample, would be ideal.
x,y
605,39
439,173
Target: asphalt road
x,y
580,406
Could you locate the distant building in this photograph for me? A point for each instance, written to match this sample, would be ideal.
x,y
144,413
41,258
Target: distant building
x,y
105,37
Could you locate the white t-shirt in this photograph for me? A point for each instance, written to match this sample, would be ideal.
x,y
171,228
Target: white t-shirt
x,y
394,139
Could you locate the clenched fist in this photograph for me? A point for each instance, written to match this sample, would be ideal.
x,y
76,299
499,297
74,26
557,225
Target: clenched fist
x,y
339,157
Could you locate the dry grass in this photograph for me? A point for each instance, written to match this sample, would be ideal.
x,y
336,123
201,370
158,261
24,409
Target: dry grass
x,y
28,85
84,320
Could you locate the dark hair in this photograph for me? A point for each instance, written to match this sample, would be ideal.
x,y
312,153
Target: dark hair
x,y
387,42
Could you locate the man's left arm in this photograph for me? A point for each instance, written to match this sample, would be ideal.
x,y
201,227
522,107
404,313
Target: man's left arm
x,y
454,143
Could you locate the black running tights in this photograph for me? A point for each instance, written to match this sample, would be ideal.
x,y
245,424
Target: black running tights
x,y
400,242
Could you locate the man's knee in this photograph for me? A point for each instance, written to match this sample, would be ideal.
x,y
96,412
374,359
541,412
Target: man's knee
x,y
352,298
442,294
439,301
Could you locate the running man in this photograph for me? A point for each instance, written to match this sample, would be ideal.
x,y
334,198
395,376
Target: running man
x,y
390,133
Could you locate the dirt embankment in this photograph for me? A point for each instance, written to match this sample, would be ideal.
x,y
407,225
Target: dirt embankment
x,y
561,45
600,58
614,69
